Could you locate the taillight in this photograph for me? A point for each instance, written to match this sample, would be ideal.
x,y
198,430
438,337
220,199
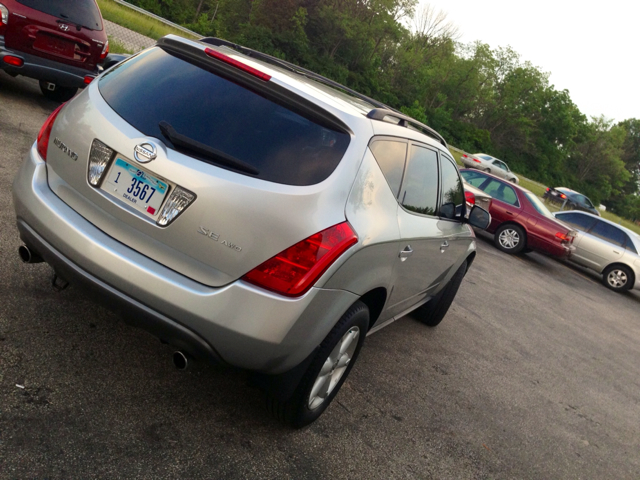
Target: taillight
x,y
105,51
4,18
562,195
296,269
465,155
88,79
476,160
45,133
563,237
548,189
235,63
471,198
13,61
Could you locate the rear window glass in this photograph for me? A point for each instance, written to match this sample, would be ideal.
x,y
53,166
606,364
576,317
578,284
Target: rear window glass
x,y
283,146
578,220
76,12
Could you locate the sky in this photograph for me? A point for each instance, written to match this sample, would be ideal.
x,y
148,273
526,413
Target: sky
x,y
591,49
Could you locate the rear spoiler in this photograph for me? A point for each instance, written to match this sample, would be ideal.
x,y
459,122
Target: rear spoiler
x,y
194,52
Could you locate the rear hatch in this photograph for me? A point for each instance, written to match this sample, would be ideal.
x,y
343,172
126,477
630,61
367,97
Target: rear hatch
x,y
67,32
258,166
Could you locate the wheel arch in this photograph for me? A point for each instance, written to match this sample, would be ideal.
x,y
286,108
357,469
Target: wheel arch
x,y
375,300
627,267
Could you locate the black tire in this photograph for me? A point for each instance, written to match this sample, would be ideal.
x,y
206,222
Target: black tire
x,y
618,278
514,241
296,411
58,94
432,312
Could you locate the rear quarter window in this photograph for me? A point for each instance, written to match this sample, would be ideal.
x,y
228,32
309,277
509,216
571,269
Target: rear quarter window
x,y
282,145
391,157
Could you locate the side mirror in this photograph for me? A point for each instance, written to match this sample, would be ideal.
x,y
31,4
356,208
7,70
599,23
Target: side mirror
x,y
448,210
479,218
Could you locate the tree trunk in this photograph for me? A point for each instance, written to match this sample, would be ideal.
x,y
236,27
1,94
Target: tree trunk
x,y
198,11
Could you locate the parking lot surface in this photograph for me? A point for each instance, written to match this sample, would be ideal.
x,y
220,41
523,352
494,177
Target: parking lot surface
x,y
532,374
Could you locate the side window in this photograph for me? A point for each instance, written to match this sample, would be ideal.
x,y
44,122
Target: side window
x,y
499,164
629,245
609,233
420,187
577,220
502,192
473,178
390,157
452,191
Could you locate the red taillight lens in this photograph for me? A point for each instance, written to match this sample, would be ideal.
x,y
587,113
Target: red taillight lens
x,y
465,155
235,63
13,61
295,270
471,198
88,79
476,160
105,51
562,195
45,133
548,189
562,236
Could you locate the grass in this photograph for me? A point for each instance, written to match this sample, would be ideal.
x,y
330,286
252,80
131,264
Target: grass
x,y
137,22
116,46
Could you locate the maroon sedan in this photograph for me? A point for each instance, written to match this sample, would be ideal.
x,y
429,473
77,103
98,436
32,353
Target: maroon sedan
x,y
519,219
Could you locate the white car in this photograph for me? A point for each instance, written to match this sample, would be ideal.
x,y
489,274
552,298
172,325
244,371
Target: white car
x,y
489,164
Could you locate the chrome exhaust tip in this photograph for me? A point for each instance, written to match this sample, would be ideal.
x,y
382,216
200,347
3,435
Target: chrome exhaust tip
x,y
27,256
180,360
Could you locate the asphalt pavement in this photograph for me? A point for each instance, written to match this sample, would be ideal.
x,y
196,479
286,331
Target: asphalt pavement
x,y
532,374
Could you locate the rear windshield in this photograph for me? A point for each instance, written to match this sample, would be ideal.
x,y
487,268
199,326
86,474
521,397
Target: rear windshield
x,y
539,206
76,12
283,146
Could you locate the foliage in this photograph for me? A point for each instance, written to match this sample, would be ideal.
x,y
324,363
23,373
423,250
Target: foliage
x,y
479,98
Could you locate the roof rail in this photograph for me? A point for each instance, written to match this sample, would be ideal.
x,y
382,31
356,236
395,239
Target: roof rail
x,y
218,42
405,121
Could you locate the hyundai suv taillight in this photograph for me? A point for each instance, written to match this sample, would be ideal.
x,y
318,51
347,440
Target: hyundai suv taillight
x,y
295,270
4,18
105,51
45,133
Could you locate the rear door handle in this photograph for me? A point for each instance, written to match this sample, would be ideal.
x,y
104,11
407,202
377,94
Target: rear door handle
x,y
406,252
509,213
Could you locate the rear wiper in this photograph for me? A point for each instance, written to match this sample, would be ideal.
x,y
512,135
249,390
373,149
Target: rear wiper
x,y
182,141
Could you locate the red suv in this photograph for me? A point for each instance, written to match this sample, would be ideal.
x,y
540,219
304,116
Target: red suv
x,y
59,42
519,220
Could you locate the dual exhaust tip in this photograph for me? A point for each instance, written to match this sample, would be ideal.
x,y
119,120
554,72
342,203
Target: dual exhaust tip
x,y
180,359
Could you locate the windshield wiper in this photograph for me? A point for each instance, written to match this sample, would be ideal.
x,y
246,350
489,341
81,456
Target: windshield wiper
x,y
181,141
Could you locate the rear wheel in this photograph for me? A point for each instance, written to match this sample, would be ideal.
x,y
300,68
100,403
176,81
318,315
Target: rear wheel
x,y
510,238
618,278
56,93
432,312
327,371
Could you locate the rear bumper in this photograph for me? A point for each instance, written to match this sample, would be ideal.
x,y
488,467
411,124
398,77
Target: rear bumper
x,y
45,69
238,323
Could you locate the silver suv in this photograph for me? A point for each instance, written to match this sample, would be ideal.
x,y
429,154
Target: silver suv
x,y
248,211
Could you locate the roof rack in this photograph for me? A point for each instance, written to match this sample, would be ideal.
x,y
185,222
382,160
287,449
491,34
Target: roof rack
x,y
218,42
405,121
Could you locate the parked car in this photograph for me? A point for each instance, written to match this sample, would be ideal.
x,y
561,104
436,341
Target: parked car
x,y
475,196
605,247
570,199
520,221
248,211
58,42
489,164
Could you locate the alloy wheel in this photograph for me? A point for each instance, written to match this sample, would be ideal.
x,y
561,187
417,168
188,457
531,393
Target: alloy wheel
x,y
334,367
617,278
509,238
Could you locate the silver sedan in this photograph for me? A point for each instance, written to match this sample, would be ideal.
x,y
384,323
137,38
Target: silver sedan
x,y
605,247
489,164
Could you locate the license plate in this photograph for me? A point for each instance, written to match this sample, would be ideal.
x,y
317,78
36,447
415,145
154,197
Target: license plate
x,y
56,46
135,187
